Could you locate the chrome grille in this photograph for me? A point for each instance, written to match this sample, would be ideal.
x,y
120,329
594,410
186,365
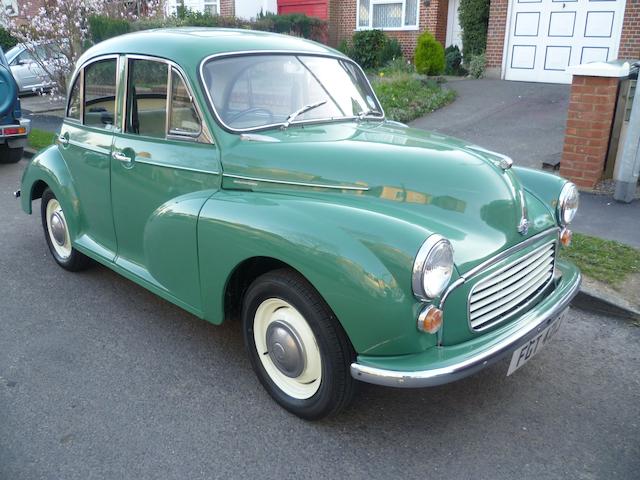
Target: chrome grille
x,y
511,287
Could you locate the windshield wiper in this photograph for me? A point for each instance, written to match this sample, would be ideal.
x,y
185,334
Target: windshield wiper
x,y
300,111
366,113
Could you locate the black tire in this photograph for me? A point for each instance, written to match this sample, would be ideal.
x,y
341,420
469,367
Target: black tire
x,y
76,261
336,353
10,155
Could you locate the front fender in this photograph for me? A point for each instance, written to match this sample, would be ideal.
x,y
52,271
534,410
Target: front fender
x,y
49,167
359,260
544,186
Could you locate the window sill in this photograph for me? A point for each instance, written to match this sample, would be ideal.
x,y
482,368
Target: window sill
x,y
390,29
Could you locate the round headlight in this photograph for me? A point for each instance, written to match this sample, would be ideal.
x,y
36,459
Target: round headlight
x,y
568,203
432,267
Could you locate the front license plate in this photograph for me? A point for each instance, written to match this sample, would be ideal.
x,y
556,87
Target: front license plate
x,y
527,351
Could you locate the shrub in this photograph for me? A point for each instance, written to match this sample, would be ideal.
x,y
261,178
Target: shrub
x,y
474,21
103,27
453,61
343,47
405,97
6,39
429,56
476,66
391,50
367,45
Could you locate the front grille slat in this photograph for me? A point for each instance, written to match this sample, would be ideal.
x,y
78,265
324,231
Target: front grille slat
x,y
506,290
514,289
516,277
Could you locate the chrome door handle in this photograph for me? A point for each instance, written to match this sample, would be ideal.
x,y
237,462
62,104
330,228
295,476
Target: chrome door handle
x,y
63,140
121,157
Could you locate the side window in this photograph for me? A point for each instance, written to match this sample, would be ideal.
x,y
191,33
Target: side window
x,y
184,118
100,93
73,110
147,98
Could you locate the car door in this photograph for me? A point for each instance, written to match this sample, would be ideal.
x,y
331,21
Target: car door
x,y
25,71
85,142
164,168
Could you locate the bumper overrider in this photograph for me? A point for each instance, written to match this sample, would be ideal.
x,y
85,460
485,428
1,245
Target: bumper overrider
x,y
439,365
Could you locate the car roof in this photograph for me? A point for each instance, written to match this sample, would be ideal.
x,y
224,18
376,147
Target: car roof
x,y
188,46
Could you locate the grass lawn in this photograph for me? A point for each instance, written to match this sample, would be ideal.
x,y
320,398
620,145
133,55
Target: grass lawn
x,y
603,260
39,139
406,96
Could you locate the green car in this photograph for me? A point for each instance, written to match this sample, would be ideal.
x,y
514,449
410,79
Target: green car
x,y
252,176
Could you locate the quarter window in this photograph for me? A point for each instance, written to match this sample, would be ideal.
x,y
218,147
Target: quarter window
x,y
100,93
73,110
147,98
388,14
184,119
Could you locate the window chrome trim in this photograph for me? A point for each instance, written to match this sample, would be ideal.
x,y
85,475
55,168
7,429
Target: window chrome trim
x,y
247,53
298,184
205,135
176,167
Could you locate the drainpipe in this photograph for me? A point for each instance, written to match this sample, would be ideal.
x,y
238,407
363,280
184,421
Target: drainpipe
x,y
628,164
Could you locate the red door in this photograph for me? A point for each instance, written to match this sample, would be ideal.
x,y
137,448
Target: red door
x,y
312,8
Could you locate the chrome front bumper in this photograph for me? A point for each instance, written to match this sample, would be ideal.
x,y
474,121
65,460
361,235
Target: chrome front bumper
x,y
470,364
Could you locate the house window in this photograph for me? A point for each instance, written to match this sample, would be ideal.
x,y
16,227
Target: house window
x,y
211,7
388,14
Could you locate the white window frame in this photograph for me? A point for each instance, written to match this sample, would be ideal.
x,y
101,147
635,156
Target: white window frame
x,y
208,3
394,29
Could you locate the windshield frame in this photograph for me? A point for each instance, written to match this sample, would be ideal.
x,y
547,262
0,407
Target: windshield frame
x,y
292,53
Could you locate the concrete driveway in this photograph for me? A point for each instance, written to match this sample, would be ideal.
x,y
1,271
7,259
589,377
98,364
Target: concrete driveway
x,y
100,379
523,120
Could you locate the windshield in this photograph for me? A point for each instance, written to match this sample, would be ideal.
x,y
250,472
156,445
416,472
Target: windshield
x,y
258,91
12,52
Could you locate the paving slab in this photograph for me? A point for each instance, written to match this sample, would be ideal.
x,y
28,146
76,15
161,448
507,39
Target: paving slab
x,y
523,120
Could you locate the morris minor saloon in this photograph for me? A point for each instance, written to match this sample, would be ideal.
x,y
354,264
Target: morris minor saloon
x,y
241,174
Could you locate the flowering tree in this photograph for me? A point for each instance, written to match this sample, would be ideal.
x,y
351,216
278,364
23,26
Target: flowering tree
x,y
58,32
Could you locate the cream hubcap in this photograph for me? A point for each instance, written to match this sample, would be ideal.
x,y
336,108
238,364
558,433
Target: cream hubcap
x,y
287,348
57,229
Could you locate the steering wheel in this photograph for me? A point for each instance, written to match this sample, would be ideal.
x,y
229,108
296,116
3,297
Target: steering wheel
x,y
241,114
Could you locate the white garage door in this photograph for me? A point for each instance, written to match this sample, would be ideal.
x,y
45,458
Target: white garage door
x,y
547,36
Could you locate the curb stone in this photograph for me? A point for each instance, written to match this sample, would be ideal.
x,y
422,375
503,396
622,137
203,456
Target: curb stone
x,y
596,301
587,299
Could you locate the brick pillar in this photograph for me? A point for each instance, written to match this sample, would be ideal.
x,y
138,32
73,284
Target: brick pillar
x,y
586,141
496,33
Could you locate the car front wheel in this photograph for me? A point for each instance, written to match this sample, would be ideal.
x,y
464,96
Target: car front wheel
x,y
56,233
296,345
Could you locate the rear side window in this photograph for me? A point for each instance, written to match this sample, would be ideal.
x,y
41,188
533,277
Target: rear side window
x,y
100,93
184,118
73,110
147,98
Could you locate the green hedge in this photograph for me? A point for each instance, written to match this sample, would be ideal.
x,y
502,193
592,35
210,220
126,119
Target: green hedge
x,y
372,49
474,21
295,24
6,39
103,27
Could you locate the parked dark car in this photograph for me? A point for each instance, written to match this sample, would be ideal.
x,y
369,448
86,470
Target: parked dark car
x,y
13,128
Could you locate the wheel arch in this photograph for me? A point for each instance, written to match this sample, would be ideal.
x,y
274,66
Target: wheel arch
x,y
364,277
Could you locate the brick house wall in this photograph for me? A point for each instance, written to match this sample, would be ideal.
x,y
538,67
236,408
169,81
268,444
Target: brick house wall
x,y
342,24
496,34
227,8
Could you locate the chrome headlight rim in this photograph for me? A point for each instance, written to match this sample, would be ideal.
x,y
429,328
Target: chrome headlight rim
x,y
420,263
569,190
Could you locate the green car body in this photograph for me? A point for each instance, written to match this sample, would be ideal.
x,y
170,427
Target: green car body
x,y
347,204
